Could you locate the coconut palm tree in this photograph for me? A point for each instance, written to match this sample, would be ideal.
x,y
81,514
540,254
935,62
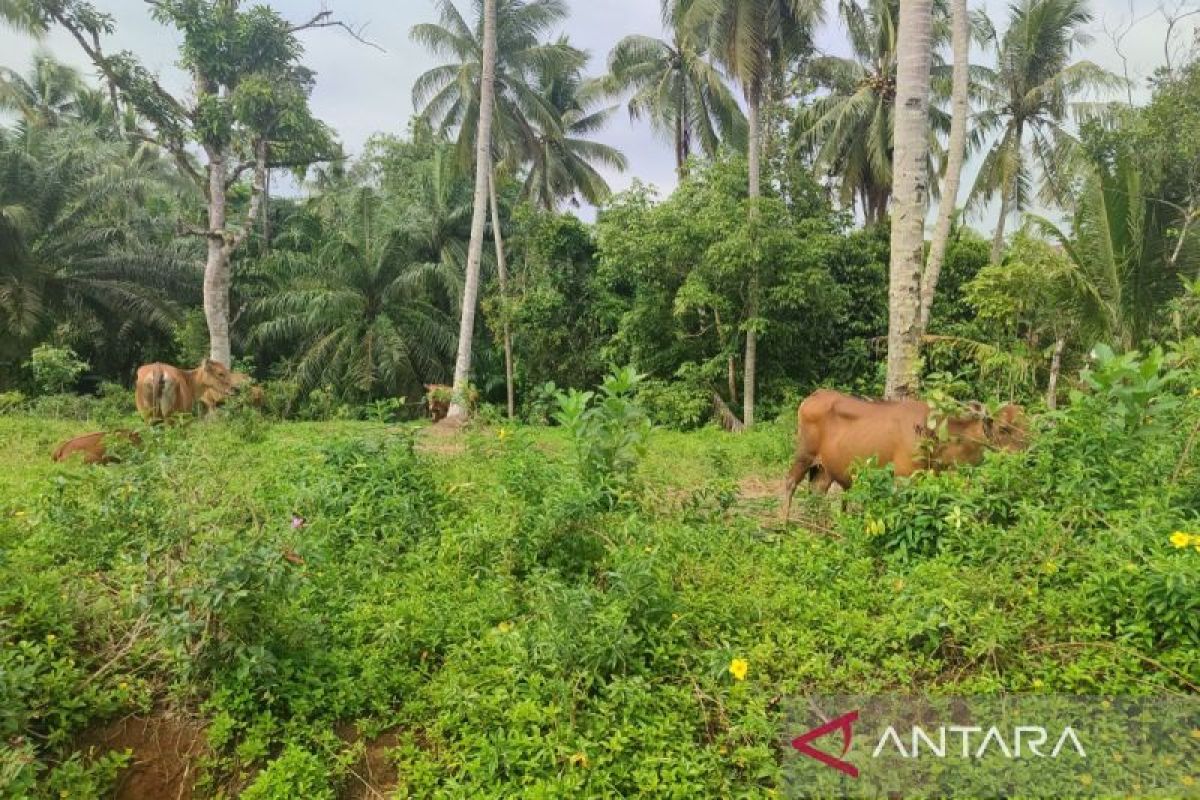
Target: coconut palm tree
x,y
848,131
1027,99
562,162
352,301
448,95
676,87
752,38
45,97
1118,246
910,189
956,155
486,107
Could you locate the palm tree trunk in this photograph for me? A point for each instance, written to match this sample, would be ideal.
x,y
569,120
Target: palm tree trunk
x,y
1006,190
266,217
483,144
681,153
957,149
751,360
216,263
909,195
998,236
502,274
1055,368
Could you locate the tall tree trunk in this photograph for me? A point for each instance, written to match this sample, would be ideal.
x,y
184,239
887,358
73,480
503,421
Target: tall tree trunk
x,y
681,147
910,195
483,144
1055,369
751,360
998,236
731,376
502,274
216,264
266,215
730,365
1006,191
956,154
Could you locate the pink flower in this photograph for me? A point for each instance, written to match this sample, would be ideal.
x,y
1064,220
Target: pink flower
x,y
297,521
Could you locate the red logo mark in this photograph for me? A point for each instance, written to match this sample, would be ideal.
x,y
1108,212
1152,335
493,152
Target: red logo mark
x,y
845,724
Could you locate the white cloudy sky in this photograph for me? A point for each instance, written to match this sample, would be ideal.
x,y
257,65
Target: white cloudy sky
x,y
361,90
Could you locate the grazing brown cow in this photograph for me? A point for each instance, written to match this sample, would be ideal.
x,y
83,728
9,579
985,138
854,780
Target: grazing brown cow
x,y
437,400
256,398
439,397
163,390
834,431
91,446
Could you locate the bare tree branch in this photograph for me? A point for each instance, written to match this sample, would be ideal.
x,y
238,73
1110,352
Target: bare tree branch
x,y
257,192
1173,18
324,19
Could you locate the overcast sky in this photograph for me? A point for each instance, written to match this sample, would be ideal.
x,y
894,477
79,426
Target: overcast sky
x,y
361,90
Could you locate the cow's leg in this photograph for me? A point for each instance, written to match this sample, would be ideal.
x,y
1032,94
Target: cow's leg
x,y
799,470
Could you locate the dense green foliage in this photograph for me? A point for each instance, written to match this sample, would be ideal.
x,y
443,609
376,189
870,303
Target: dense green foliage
x,y
515,635
594,600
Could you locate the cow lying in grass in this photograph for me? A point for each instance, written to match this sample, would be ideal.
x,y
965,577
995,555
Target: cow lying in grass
x,y
90,446
835,431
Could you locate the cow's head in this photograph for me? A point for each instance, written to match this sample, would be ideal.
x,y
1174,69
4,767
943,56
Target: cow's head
x,y
217,379
1009,429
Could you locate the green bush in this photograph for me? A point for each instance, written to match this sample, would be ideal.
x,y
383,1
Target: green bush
x,y
55,369
296,773
675,404
11,402
609,435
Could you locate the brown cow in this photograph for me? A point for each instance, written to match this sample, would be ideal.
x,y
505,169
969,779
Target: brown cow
x,y
834,431
163,390
91,446
438,398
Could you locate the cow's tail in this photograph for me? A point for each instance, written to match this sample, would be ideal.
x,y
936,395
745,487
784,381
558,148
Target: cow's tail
x,y
165,391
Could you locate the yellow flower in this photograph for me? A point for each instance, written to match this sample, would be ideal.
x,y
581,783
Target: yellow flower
x,y
504,627
1038,683
122,686
1180,539
1085,779
19,514
875,527
501,434
738,668
51,638
1187,780
579,760
1049,568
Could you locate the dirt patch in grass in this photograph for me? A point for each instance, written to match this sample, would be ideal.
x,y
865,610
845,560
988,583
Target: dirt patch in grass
x,y
374,775
444,439
165,749
757,487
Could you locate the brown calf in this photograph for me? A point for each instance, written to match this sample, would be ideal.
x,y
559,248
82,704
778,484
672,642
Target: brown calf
x,y
91,448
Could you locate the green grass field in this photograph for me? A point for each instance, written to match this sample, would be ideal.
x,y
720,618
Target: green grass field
x,y
352,609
